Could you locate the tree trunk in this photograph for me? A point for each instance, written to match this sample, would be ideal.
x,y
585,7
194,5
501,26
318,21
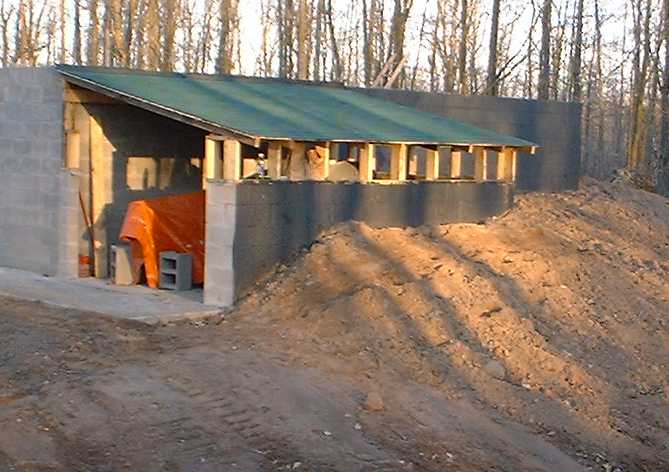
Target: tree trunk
x,y
462,53
491,81
303,39
93,43
545,52
575,66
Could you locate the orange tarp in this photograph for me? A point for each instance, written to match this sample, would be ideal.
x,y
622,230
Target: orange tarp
x,y
173,223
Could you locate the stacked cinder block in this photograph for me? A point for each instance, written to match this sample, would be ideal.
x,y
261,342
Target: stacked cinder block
x,y
250,226
34,213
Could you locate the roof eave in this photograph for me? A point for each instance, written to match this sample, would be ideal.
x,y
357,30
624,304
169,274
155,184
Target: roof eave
x,y
177,115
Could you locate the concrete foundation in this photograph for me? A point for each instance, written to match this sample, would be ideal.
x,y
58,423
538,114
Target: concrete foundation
x,y
253,225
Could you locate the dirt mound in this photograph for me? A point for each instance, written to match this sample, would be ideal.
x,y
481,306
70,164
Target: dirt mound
x,y
554,316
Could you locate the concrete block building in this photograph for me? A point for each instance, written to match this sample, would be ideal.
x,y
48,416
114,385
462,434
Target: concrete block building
x,y
279,162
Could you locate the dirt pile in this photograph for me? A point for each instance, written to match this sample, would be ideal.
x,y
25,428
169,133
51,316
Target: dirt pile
x,y
554,316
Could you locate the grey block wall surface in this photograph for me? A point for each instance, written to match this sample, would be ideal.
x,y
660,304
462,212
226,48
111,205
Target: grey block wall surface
x,y
554,126
31,155
252,225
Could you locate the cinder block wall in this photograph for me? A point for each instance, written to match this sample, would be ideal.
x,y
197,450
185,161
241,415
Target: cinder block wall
x,y
252,225
31,146
555,126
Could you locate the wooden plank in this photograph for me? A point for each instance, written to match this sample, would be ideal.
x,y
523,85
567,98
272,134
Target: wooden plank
x,y
232,159
319,162
506,165
456,164
98,185
274,154
297,166
73,94
211,168
367,162
413,162
432,164
398,162
480,164
73,149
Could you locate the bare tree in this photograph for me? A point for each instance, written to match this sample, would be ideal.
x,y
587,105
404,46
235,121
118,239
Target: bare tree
x,y
229,24
491,80
545,53
6,14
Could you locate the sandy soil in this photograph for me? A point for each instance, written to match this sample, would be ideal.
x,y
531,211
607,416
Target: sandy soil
x,y
538,341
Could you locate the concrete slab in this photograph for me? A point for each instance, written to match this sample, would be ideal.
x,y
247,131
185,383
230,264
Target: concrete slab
x,y
137,303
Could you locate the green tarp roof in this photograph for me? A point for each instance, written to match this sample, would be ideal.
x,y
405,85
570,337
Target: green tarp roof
x,y
279,109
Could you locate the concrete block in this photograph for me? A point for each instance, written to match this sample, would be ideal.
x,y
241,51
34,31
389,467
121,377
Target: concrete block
x,y
176,270
120,264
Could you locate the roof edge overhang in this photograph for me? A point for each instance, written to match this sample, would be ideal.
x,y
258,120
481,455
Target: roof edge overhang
x,y
160,109
248,138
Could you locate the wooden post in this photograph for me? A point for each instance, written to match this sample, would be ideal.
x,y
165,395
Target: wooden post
x,y
297,167
232,159
99,201
480,164
274,155
73,151
367,162
413,163
398,162
211,169
432,164
326,151
506,165
456,164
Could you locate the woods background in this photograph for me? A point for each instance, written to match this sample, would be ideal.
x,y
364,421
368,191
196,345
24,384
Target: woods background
x,y
610,55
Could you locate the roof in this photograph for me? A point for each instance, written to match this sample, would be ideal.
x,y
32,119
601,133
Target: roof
x,y
275,109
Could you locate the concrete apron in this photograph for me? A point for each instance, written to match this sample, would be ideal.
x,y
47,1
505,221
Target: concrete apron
x,y
136,303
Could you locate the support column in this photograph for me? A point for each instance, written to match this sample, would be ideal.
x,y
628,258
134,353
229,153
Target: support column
x,y
211,168
506,165
413,163
367,162
432,164
297,167
398,162
480,164
456,164
274,155
232,159
320,170
99,181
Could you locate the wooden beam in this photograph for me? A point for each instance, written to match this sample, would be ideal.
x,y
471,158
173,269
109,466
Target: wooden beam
x,y
222,135
456,164
232,159
480,164
297,166
98,183
211,168
73,150
413,162
274,156
367,162
323,167
73,94
506,165
398,162
432,164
